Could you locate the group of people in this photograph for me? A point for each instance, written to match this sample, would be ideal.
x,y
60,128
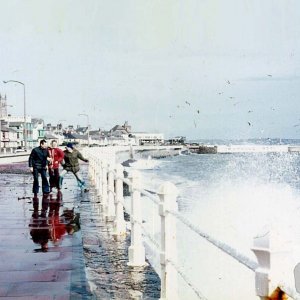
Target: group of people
x,y
44,158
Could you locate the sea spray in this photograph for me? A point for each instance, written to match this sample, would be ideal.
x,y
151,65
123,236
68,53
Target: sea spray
x,y
231,197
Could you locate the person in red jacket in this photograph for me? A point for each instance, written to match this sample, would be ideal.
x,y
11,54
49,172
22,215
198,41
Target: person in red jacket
x,y
56,155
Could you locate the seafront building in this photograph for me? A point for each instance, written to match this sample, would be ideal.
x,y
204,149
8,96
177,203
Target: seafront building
x,y
12,133
146,138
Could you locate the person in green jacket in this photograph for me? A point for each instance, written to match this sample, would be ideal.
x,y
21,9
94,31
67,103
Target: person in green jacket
x,y
71,164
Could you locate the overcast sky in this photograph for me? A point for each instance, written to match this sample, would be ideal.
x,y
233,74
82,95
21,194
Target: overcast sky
x,y
198,68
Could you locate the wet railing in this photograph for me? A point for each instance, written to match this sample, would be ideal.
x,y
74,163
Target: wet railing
x,y
108,179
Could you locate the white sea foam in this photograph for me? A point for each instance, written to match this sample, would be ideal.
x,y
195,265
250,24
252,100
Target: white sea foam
x,y
231,198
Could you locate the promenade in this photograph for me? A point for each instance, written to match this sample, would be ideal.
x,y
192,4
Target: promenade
x,y
47,253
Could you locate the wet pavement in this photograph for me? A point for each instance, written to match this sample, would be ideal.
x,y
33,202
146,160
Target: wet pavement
x,y
60,247
107,257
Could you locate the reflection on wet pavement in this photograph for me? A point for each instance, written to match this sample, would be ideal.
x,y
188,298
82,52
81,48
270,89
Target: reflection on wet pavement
x,y
48,224
41,253
51,245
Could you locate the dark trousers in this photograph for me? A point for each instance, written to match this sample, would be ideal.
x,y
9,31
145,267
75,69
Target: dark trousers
x,y
45,183
54,178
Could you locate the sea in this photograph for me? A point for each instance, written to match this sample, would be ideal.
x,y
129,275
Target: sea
x,y
233,198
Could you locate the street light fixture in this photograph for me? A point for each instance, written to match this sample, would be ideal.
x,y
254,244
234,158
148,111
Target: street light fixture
x,y
24,126
88,125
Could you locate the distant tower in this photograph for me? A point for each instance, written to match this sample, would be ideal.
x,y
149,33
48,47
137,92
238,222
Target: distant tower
x,y
127,127
3,106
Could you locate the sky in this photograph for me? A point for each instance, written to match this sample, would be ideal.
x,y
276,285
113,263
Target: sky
x,y
198,68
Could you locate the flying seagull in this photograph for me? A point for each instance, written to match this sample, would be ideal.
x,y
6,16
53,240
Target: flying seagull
x,y
188,103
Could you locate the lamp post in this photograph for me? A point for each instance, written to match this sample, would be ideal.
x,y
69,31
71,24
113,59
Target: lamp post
x,y
24,125
88,125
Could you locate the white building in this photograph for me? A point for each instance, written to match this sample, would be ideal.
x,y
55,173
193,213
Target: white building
x,y
145,138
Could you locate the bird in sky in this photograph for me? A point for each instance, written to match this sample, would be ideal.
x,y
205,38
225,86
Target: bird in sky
x,y
228,81
231,97
296,125
250,111
188,103
249,123
198,111
269,75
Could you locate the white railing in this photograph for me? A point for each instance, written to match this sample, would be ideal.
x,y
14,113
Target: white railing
x,y
108,179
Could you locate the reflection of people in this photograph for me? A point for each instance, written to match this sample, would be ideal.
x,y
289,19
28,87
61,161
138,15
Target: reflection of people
x,y
38,161
56,156
49,225
71,164
39,226
72,221
57,228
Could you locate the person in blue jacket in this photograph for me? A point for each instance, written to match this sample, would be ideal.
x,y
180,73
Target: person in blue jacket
x,y
38,164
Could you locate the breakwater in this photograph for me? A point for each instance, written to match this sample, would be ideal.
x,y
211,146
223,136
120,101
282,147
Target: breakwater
x,y
224,149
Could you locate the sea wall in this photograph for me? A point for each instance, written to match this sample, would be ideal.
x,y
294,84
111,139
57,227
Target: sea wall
x,y
13,158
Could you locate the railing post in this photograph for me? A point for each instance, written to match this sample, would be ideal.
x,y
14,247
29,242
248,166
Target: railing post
x,y
99,182
98,176
261,249
94,166
119,224
104,186
91,167
136,251
167,195
95,170
110,216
